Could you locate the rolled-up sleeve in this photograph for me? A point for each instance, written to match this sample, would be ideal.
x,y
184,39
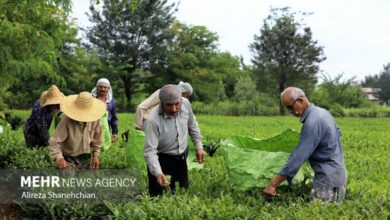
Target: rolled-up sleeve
x,y
55,142
311,135
194,131
150,147
96,142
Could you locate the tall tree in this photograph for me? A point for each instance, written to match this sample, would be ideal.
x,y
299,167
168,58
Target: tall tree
x,y
286,49
195,58
382,81
129,39
371,81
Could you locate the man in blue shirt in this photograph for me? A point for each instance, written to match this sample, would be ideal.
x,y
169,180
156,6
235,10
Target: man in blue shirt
x,y
320,144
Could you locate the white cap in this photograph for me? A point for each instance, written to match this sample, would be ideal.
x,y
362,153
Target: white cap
x,y
185,87
103,82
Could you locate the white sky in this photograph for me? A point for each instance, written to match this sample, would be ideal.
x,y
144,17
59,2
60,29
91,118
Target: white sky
x,y
355,34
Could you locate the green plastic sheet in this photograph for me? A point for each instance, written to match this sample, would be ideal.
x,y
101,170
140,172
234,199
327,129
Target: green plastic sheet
x,y
135,150
252,163
4,125
106,137
283,142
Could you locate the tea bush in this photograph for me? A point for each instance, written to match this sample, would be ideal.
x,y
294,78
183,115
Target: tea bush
x,y
211,195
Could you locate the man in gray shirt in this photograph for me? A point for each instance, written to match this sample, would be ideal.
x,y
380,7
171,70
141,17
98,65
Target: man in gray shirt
x,y
320,144
166,140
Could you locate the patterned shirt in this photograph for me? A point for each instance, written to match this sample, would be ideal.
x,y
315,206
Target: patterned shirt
x,y
320,144
169,134
112,117
38,123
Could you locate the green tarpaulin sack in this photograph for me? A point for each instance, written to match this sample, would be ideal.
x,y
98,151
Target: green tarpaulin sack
x,y
252,163
192,161
106,136
135,150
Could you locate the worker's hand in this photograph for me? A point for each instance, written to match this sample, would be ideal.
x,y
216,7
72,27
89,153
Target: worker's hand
x,y
269,192
61,163
95,163
114,137
200,155
162,181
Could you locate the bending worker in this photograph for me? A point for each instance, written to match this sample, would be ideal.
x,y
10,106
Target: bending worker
x,y
36,129
78,137
320,144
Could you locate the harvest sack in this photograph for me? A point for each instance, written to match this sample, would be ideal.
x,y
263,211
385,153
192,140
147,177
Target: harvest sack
x,y
252,163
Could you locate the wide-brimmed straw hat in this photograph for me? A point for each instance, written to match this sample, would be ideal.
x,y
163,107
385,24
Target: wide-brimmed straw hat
x,y
83,107
52,96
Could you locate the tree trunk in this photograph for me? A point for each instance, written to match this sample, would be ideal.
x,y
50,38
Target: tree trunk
x,y
282,84
127,83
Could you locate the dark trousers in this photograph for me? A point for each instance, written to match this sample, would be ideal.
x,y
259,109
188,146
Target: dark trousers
x,y
33,140
173,165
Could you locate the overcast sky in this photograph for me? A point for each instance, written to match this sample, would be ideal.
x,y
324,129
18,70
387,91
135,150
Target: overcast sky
x,y
355,34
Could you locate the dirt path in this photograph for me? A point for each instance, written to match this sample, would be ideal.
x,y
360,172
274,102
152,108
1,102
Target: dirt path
x,y
10,212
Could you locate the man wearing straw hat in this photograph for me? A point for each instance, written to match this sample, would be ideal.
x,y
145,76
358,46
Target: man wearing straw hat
x,y
78,136
103,92
166,140
36,129
144,108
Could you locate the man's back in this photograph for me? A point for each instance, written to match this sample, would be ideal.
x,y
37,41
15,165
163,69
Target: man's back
x,y
327,158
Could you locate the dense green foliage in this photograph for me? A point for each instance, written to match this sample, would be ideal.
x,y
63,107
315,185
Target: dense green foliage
x,y
195,58
211,194
376,112
335,94
139,46
39,47
382,81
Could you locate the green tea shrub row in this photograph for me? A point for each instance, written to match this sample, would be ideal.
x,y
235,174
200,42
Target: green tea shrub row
x,y
234,108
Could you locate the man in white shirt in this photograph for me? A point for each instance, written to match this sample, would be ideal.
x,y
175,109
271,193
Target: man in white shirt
x,y
166,140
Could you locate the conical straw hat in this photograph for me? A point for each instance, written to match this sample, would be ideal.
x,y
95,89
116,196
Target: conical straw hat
x,y
83,107
52,96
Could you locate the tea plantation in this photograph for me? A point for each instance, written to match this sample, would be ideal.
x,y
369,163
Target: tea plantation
x,y
366,145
